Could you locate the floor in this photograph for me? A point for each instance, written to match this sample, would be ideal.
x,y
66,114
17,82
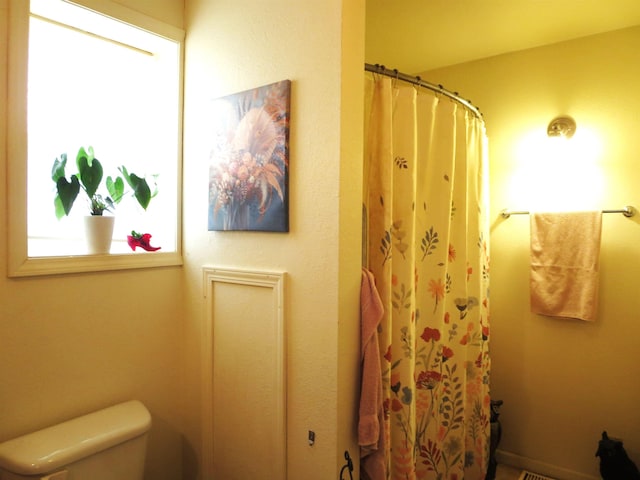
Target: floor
x,y
505,472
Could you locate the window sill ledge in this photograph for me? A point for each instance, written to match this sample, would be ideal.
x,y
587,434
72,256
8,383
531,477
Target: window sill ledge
x,y
37,266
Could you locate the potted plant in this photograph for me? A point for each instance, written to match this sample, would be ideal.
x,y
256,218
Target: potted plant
x,y
88,179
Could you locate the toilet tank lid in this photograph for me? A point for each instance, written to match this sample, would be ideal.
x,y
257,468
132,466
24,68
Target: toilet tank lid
x,y
65,443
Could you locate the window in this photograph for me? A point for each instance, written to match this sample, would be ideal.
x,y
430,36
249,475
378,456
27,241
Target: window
x,y
94,81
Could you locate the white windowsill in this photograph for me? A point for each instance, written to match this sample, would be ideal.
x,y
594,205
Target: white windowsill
x,y
34,266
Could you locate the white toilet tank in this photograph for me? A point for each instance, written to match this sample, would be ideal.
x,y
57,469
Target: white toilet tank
x,y
109,444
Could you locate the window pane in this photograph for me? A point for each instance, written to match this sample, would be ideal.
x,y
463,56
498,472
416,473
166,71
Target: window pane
x,y
116,90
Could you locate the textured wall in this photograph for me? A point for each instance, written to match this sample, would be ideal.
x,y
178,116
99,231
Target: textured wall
x,y
168,11
234,46
562,381
72,344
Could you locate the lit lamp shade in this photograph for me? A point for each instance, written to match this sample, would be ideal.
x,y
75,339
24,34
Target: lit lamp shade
x,y
563,126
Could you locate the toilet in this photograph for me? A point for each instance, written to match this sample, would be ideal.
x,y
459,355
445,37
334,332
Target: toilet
x,y
109,444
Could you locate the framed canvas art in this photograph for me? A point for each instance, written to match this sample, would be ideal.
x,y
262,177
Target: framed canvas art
x,y
249,161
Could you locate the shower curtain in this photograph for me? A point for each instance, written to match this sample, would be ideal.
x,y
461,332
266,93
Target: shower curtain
x,y
426,243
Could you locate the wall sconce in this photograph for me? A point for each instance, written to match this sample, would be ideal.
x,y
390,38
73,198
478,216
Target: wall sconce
x,y
563,127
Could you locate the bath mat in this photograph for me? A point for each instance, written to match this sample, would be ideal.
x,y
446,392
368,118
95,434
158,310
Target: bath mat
x,y
525,475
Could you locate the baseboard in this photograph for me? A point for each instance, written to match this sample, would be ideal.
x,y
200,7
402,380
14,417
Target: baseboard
x,y
524,463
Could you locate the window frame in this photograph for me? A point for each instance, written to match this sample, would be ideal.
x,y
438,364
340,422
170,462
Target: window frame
x,y
18,262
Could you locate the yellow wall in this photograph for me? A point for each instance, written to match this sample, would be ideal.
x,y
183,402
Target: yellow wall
x,y
70,344
75,343
136,334
168,11
232,47
563,381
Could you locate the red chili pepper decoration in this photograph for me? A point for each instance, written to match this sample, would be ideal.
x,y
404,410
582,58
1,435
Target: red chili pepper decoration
x,y
141,240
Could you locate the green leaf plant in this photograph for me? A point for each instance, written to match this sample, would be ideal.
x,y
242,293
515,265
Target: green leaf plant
x,y
88,178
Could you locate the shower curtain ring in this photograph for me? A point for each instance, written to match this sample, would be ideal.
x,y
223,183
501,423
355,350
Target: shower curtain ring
x,y
395,79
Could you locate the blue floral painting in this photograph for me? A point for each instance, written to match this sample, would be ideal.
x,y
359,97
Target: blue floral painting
x,y
249,162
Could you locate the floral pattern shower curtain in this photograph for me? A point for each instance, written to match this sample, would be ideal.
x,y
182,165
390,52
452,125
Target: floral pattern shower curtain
x,y
427,246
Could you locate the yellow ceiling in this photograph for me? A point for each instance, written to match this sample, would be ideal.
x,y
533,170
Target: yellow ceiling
x,y
418,35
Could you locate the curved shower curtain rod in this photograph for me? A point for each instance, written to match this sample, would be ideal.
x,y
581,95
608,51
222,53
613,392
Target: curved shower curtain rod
x,y
381,69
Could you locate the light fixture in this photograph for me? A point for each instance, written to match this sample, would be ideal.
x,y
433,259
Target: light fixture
x,y
563,126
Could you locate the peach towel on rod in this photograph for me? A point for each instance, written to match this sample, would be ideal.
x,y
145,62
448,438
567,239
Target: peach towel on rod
x,y
565,257
371,435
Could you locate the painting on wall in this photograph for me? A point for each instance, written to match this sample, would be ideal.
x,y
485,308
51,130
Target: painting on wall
x,y
249,161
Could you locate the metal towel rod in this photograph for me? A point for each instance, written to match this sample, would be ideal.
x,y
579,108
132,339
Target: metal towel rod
x,y
627,211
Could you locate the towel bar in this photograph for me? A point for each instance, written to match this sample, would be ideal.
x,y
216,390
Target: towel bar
x,y
627,211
